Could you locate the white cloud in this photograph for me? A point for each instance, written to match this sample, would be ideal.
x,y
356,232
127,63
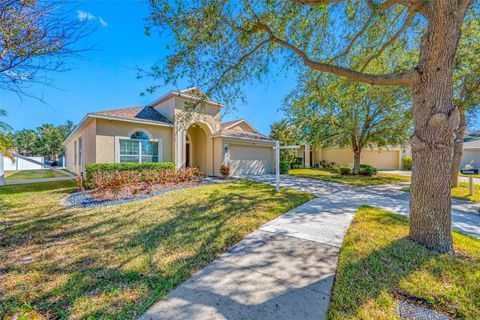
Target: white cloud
x,y
87,16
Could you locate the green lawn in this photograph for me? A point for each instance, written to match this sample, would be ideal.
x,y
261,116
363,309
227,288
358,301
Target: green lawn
x,y
329,175
379,264
115,262
461,192
31,174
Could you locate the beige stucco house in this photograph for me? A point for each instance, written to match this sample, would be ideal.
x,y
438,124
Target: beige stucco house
x,y
387,158
182,127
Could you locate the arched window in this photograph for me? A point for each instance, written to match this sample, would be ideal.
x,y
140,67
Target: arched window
x,y
139,148
139,135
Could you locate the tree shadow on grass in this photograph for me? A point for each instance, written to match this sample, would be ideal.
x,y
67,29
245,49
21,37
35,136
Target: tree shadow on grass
x,y
127,264
360,281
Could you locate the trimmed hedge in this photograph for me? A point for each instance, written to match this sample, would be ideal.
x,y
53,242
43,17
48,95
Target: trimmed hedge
x,y
284,167
343,170
92,168
407,163
367,170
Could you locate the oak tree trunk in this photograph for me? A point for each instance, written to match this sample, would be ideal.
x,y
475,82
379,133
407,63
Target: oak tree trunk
x,y
458,149
356,161
435,118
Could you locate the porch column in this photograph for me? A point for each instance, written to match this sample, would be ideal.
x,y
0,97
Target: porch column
x,y
180,155
307,156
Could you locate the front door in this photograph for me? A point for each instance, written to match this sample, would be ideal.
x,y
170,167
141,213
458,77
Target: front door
x,y
187,155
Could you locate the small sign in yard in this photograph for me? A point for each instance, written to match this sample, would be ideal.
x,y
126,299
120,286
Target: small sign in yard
x,y
470,173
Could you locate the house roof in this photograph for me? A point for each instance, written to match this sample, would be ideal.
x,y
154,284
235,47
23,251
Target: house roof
x,y
230,123
247,135
142,114
135,113
192,93
474,144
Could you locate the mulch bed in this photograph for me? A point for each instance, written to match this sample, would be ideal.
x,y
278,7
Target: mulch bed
x,y
98,198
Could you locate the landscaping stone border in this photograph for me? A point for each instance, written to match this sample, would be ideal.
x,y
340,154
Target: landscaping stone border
x,y
82,200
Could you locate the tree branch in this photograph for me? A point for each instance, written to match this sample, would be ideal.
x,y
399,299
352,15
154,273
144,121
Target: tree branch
x,y
316,3
405,79
406,24
358,35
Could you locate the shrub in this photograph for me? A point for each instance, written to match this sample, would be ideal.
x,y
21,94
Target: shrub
x,y
284,167
327,165
344,170
225,171
92,168
367,170
297,163
407,163
115,182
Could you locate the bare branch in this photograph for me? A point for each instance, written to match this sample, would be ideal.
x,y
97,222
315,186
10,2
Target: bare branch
x,y
36,37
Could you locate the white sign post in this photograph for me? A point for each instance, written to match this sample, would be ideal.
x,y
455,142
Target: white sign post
x,y
277,149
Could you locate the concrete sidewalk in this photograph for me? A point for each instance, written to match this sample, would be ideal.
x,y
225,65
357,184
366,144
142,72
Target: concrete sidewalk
x,y
285,269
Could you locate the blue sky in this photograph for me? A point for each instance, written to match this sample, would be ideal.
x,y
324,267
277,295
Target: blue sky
x,y
106,78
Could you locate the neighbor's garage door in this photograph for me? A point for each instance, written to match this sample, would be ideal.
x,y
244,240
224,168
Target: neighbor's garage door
x,y
382,160
250,160
471,157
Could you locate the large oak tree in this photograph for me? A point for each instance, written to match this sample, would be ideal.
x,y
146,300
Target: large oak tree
x,y
223,44
335,112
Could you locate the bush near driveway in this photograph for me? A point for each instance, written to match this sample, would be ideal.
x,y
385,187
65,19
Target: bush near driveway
x,y
407,163
115,262
367,170
379,264
344,170
284,167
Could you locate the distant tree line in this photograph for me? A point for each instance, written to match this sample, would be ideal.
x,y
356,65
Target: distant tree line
x,y
46,140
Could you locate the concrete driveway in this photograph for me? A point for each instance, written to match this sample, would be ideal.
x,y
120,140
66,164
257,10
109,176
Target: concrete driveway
x,y
285,269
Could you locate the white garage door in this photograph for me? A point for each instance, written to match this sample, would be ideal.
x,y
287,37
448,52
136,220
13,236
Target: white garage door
x,y
250,160
471,157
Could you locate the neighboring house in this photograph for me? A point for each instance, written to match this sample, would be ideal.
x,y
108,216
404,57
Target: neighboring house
x,y
471,154
165,131
381,158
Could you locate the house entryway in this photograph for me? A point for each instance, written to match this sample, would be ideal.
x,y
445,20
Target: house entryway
x,y
197,146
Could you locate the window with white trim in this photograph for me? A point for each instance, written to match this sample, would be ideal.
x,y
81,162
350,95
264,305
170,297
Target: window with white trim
x,y
139,148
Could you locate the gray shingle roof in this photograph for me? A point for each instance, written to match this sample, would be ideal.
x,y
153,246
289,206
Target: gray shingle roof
x,y
135,113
